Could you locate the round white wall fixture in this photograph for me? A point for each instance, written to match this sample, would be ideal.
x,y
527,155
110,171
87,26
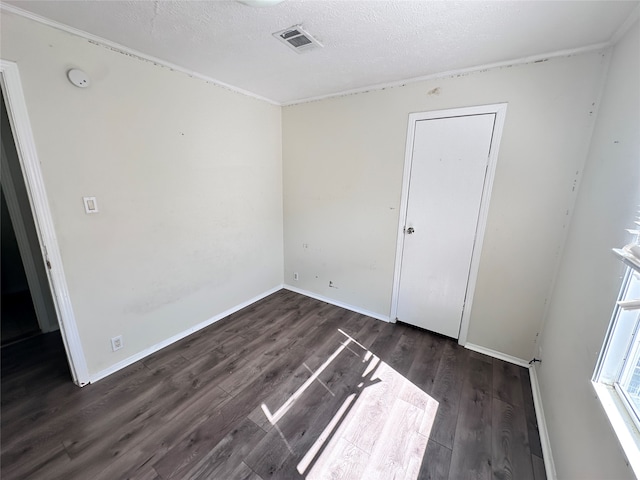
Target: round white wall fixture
x,y
78,78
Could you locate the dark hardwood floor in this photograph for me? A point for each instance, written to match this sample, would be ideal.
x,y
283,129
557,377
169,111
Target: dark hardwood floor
x,y
288,388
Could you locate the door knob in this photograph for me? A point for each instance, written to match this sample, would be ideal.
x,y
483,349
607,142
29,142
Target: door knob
x,y
410,230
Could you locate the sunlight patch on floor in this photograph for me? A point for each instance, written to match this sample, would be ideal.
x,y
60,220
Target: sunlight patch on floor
x,y
383,436
381,431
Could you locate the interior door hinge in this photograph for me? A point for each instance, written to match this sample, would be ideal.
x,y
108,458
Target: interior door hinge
x,y
48,264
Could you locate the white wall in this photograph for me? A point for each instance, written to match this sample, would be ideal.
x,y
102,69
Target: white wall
x,y
589,279
188,179
343,162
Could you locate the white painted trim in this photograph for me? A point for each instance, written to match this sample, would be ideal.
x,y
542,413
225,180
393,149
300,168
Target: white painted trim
x,y
500,111
179,336
30,164
28,262
455,73
129,51
499,355
337,303
623,425
404,203
547,455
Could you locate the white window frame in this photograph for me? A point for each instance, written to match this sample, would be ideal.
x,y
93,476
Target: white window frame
x,y
624,419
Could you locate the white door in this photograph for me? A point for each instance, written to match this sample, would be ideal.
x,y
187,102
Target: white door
x,y
447,176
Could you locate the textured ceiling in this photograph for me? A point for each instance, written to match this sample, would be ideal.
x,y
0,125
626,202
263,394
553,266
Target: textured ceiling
x,y
365,42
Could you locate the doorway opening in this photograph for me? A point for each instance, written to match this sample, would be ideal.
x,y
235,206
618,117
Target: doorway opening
x,y
17,314
27,305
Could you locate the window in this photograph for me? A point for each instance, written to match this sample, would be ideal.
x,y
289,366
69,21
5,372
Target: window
x,y
629,380
617,375
622,369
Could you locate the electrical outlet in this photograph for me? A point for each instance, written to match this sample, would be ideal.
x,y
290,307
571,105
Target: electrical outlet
x,y
295,276
116,343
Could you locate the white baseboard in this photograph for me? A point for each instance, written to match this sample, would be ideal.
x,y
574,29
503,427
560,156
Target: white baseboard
x,y
549,464
165,343
499,355
337,303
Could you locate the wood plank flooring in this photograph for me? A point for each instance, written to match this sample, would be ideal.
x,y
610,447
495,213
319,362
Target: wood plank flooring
x,y
287,388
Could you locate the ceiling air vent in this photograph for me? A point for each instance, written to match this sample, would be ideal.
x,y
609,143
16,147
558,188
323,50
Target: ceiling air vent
x,y
297,39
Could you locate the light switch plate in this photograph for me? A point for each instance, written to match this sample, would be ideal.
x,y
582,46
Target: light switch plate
x,y
90,204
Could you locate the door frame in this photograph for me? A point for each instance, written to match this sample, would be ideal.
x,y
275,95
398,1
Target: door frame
x,y
30,165
500,111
